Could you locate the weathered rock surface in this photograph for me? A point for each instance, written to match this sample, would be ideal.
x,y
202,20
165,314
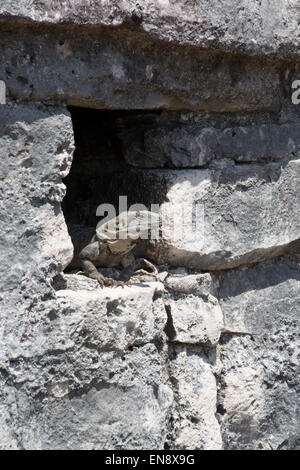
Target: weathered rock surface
x,y
195,320
120,317
125,405
194,385
36,145
193,146
89,353
258,397
194,314
197,284
195,112
216,219
121,70
253,27
2,92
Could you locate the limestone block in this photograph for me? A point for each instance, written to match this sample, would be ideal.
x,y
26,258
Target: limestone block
x,y
195,320
36,147
258,399
195,146
118,318
84,370
195,391
223,218
119,69
197,284
227,25
115,401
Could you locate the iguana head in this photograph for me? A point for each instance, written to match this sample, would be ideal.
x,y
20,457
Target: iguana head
x,y
129,225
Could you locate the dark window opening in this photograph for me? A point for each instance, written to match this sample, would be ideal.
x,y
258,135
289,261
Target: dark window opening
x,y
100,173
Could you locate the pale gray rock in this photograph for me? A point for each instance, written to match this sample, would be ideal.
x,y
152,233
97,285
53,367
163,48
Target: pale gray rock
x,y
193,146
115,318
2,92
123,404
195,390
265,27
258,397
8,440
119,317
223,218
86,373
197,284
36,146
201,93
120,69
195,320
75,282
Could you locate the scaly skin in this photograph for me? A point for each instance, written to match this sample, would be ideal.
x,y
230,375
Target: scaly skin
x,y
107,250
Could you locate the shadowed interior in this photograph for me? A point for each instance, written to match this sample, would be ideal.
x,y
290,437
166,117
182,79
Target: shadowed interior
x,y
99,172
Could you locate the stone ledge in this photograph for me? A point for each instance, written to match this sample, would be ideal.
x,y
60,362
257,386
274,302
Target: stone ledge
x,y
227,25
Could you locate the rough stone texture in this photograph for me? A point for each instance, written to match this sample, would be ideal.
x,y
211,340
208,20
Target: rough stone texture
x,y
244,214
194,106
241,26
195,320
197,284
2,92
196,426
36,151
87,355
123,70
125,405
259,391
193,146
36,145
120,317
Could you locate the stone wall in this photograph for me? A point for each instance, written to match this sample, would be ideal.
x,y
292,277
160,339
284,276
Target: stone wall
x,y
180,104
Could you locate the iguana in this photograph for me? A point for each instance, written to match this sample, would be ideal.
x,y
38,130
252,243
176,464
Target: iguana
x,y
112,245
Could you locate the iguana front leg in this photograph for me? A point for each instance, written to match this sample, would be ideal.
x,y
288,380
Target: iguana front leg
x,y
90,270
89,253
